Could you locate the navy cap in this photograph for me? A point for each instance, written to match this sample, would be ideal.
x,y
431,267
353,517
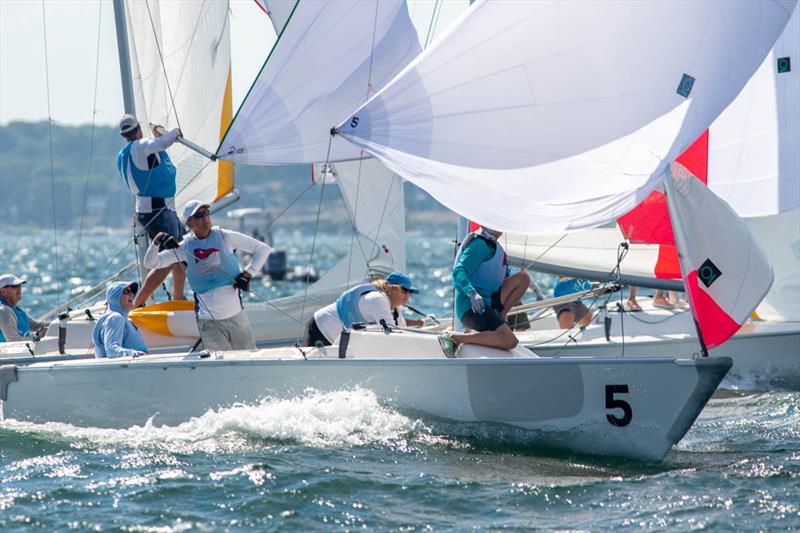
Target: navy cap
x,y
398,278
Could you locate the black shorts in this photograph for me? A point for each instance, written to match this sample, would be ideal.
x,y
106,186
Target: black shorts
x,y
578,309
161,220
489,320
313,334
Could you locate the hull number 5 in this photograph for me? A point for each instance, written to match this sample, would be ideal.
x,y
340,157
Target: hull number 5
x,y
616,403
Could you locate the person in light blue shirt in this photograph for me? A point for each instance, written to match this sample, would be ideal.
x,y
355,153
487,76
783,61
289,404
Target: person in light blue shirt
x,y
486,290
115,335
575,312
15,323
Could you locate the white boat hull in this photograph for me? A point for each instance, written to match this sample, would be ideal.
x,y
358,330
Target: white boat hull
x,y
563,402
765,354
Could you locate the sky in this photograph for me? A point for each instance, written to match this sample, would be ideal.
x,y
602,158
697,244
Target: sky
x,y
73,28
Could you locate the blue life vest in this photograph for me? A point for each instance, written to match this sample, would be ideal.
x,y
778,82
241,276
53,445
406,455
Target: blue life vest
x,y
347,304
158,181
491,274
23,325
210,264
571,286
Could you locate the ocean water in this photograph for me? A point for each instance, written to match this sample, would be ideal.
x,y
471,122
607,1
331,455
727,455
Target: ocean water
x,y
344,461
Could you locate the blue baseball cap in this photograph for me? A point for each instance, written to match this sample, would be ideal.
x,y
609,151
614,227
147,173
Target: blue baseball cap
x,y
398,278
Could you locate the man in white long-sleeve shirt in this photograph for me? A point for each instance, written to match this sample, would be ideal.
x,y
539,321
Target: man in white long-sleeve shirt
x,y
214,274
149,173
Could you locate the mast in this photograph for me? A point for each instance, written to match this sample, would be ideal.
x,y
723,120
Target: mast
x,y
124,57
130,109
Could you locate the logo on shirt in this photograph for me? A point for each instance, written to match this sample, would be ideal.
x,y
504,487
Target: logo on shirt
x,y
203,253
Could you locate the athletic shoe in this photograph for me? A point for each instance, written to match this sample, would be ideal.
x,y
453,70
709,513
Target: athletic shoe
x,y
448,345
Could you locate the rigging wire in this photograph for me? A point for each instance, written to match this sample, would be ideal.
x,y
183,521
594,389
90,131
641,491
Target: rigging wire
x,y
361,161
91,139
52,164
314,240
437,9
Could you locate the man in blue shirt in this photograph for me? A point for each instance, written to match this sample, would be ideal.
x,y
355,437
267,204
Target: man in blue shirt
x,y
149,173
15,323
485,292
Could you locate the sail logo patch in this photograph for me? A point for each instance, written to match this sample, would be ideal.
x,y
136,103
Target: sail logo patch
x,y
708,273
784,65
685,86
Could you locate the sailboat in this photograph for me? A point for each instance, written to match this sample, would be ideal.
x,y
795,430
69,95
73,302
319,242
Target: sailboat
x,y
749,157
442,124
180,76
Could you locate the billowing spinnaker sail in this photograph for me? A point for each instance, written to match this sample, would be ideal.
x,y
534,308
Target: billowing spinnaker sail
x,y
754,163
190,90
329,58
541,117
279,12
779,235
373,196
725,271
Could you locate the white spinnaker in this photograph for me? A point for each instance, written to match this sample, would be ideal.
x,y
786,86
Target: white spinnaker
x,y
725,271
779,236
541,117
329,58
753,156
190,90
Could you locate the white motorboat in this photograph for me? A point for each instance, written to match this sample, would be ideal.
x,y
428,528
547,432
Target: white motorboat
x,y
608,406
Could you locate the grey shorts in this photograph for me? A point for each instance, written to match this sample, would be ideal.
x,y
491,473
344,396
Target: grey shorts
x,y
578,309
162,220
232,333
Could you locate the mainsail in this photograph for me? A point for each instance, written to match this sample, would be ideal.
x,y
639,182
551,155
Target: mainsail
x,y
180,54
541,117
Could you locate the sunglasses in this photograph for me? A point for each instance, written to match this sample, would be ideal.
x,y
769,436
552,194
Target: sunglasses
x,y
407,291
201,214
128,290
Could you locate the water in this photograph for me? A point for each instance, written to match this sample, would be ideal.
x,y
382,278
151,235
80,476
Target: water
x,y
342,460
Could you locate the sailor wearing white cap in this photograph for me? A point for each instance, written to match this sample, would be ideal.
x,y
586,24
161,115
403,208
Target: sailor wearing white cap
x,y
15,323
214,274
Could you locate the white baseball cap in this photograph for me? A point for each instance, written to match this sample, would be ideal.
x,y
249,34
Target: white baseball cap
x,y
191,207
128,123
10,280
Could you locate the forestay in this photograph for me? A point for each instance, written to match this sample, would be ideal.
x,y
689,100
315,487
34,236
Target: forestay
x,y
541,117
725,272
190,89
328,59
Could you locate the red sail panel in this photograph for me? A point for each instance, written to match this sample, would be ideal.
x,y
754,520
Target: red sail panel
x,y
668,265
648,222
717,326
